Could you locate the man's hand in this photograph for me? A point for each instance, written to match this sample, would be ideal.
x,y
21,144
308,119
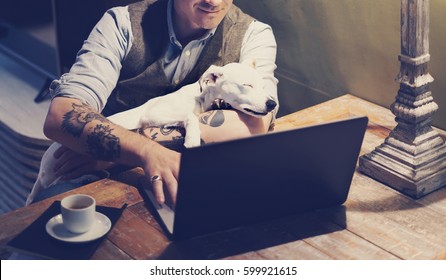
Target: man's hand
x,y
165,163
71,164
215,126
159,161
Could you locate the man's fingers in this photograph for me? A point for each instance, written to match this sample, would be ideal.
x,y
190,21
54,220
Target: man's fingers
x,y
171,185
157,186
163,186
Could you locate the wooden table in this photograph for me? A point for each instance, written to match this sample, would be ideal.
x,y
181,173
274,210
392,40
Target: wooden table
x,y
376,222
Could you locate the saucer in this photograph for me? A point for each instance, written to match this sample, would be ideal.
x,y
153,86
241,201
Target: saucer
x,y
57,230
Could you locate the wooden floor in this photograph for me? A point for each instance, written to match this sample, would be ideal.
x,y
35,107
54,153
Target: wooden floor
x,y
376,222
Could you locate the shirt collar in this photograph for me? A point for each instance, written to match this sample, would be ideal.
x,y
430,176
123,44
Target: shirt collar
x,y
173,37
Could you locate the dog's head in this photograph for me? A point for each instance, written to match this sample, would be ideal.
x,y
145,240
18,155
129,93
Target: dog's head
x,y
239,85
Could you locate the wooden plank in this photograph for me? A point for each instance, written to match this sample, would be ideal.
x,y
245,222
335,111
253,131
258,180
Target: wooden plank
x,y
336,242
143,212
109,251
386,233
345,245
297,250
237,241
297,237
109,193
392,218
376,114
137,238
435,201
377,197
249,242
336,109
246,256
373,137
324,112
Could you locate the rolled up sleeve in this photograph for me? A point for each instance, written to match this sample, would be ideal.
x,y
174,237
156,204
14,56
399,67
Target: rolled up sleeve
x,y
96,70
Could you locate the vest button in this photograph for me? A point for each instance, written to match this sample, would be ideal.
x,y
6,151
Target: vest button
x,y
187,53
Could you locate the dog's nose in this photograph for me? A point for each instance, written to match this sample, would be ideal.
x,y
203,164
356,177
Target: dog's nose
x,y
270,105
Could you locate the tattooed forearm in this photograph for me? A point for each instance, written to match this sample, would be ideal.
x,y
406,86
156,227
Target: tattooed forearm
x,y
75,120
213,118
102,144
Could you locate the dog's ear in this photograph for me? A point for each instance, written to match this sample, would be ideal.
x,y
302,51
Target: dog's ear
x,y
210,76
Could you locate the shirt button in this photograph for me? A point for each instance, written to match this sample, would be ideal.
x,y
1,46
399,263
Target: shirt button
x,y
187,53
177,81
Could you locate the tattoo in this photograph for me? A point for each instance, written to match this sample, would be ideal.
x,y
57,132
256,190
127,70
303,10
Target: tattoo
x,y
153,136
213,118
167,130
175,143
75,120
102,144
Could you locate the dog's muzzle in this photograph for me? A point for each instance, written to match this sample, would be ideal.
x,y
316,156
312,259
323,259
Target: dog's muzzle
x,y
269,106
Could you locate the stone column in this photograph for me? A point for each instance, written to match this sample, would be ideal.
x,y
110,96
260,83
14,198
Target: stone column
x,y
412,159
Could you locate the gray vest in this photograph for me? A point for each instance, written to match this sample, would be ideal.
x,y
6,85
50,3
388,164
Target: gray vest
x,y
142,76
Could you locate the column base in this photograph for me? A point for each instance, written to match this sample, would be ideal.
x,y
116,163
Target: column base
x,y
413,180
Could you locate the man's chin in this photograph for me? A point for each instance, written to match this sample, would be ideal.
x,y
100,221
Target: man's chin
x,y
210,24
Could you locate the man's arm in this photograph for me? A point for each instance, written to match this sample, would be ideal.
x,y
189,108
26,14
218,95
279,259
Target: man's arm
x,y
222,125
82,129
215,126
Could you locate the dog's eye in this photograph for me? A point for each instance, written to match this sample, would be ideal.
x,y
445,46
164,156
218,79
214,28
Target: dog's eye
x,y
248,85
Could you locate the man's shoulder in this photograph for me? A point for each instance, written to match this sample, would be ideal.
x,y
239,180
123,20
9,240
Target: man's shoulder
x,y
236,14
141,7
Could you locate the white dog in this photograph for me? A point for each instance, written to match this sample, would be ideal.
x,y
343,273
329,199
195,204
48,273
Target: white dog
x,y
239,85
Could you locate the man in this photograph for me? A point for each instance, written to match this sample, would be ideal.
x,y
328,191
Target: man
x,y
134,54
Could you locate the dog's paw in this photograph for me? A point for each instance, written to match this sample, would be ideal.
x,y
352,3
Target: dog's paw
x,y
190,142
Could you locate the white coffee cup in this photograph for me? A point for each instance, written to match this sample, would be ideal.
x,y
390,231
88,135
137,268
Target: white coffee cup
x,y
78,212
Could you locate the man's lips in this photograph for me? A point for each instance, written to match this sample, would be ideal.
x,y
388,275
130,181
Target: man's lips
x,y
209,11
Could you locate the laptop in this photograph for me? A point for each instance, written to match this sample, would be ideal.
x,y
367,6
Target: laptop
x,y
246,181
